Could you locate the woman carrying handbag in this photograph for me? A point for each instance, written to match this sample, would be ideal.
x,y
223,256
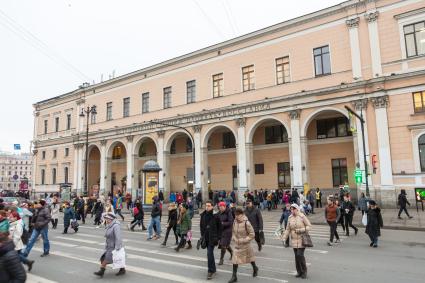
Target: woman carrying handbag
x,y
298,228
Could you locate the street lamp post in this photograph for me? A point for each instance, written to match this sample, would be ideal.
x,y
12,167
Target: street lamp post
x,y
193,145
86,113
362,121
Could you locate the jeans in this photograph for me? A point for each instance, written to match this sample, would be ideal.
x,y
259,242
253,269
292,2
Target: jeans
x,y
334,233
22,258
348,219
118,212
168,233
211,259
35,233
154,221
403,209
374,240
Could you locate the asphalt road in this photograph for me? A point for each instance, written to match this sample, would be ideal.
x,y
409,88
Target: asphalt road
x,y
74,257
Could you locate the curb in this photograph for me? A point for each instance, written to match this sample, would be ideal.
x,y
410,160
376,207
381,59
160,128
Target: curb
x,y
400,228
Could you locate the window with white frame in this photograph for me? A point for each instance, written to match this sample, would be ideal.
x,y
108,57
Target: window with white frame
x,y
414,38
248,79
218,85
282,70
191,91
167,97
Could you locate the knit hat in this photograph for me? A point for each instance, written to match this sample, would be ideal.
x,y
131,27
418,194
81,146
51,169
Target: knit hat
x,y
222,203
372,202
110,216
4,226
294,205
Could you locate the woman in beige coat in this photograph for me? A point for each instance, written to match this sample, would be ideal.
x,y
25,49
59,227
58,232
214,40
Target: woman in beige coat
x,y
242,235
298,224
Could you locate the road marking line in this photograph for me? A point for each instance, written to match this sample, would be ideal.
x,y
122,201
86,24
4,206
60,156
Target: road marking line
x,y
31,278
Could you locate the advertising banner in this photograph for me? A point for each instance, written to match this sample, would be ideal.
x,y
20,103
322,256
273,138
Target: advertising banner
x,y
151,186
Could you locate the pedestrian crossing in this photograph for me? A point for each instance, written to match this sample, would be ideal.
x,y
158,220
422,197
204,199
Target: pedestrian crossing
x,y
163,264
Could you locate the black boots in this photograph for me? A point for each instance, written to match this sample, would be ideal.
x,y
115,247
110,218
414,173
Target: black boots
x,y
100,272
222,252
189,245
120,272
234,277
229,249
255,269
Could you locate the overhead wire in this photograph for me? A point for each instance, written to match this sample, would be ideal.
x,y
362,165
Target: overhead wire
x,y
210,21
38,44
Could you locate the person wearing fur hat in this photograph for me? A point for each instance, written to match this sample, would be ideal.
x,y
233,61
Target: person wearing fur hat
x,y
242,236
11,269
298,224
113,242
226,219
184,224
374,223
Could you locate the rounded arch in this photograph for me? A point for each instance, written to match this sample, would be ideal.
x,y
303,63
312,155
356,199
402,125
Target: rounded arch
x,y
212,128
312,115
113,144
258,123
172,136
140,140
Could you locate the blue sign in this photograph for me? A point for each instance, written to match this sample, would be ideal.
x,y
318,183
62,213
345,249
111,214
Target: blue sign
x,y
17,146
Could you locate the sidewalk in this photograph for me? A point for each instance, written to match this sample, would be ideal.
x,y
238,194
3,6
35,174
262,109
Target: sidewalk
x,y
390,217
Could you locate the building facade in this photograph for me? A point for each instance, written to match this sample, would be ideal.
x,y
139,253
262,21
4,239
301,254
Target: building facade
x,y
264,110
15,171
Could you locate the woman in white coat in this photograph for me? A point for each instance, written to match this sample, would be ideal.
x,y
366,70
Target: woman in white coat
x,y
54,208
16,229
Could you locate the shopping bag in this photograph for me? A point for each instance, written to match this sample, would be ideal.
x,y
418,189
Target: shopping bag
x,y
118,258
306,240
279,231
364,219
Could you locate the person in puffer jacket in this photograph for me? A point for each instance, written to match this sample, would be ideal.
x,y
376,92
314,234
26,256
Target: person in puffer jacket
x,y
11,268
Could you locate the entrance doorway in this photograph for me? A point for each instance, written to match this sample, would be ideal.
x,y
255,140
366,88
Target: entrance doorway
x,y
284,175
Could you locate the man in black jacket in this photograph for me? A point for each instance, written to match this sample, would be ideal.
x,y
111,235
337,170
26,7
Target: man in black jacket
x,y
402,202
155,220
256,219
11,268
41,227
211,233
348,212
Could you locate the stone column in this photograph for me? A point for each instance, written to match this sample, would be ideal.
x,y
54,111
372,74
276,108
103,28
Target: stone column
x,y
75,168
242,159
80,169
295,152
204,172
103,156
130,166
34,169
160,161
198,158
353,30
304,159
79,120
375,50
360,106
385,168
249,149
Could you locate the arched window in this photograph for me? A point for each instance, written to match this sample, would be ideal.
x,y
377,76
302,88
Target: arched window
x,y
54,176
65,173
421,144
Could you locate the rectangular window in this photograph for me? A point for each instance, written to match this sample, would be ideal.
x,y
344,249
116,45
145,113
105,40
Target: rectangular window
x,y
282,70
54,176
43,155
145,102
126,107
66,151
229,140
45,126
68,121
167,97
322,61
332,128
93,118
284,175
248,82
56,124
259,169
43,176
108,111
55,153
191,91
276,134
339,172
218,85
419,101
414,37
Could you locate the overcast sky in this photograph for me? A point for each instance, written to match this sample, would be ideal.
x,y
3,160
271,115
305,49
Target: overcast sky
x,y
49,47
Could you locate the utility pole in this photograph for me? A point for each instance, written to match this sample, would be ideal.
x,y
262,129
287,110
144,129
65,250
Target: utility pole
x,y
362,122
86,113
